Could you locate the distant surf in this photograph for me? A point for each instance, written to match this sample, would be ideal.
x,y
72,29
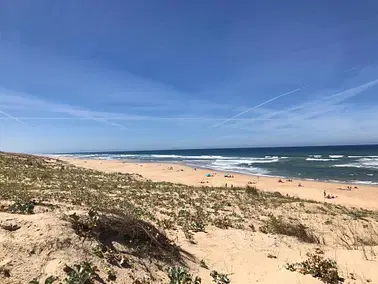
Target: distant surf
x,y
353,164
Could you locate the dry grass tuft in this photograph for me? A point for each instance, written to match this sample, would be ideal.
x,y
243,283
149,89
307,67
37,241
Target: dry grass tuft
x,y
278,226
140,237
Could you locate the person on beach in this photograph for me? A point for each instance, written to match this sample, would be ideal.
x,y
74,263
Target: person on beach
x,y
325,193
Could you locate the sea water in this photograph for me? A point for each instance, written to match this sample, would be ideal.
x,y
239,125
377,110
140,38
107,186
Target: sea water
x,y
352,164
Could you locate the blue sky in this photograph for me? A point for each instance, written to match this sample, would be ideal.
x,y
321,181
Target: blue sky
x,y
132,75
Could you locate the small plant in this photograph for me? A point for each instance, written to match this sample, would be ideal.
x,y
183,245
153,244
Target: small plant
x,y
252,190
98,251
49,280
181,275
21,207
197,226
83,273
222,222
203,264
319,267
111,274
188,234
219,278
167,224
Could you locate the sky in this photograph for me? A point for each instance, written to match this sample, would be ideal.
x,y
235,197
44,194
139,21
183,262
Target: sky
x,y
80,75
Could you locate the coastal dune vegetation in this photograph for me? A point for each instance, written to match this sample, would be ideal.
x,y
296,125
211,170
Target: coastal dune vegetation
x,y
64,224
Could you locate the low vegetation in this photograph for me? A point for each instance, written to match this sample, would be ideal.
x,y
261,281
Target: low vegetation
x,y
219,278
181,275
294,229
142,238
139,214
319,267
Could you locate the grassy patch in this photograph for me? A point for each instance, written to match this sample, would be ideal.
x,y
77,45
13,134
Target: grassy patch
x,y
294,229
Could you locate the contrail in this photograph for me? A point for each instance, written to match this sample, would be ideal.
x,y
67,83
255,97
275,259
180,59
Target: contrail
x,y
12,117
255,107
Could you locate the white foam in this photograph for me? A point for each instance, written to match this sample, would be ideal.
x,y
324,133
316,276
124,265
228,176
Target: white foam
x,y
365,182
221,162
162,156
315,156
352,157
336,156
354,182
128,155
348,166
264,162
369,162
204,157
319,160
249,170
368,159
362,163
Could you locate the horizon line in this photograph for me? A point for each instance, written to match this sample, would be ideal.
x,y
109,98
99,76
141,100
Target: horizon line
x,y
215,148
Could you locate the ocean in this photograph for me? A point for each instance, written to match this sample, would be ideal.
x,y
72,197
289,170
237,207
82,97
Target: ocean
x,y
351,164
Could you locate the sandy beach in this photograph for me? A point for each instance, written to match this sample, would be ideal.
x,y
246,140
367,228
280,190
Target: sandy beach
x,y
359,196
48,205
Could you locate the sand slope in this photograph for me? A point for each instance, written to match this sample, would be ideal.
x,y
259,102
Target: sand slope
x,y
44,243
230,228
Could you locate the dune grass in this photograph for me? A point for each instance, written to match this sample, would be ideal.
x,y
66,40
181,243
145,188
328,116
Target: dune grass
x,y
137,212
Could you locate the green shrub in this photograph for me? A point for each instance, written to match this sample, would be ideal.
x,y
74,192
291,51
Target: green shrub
x,y
219,278
319,267
82,273
181,275
21,207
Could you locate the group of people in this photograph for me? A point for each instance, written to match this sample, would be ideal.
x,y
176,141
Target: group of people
x,y
328,196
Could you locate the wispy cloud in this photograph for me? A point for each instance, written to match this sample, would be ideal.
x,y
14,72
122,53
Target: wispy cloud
x,y
32,108
28,104
12,117
255,107
314,118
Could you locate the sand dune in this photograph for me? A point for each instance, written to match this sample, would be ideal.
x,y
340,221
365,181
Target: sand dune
x,y
249,235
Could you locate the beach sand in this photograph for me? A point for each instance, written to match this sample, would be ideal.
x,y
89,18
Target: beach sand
x,y
361,197
41,244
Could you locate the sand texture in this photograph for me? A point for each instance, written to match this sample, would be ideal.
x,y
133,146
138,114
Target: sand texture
x,y
138,220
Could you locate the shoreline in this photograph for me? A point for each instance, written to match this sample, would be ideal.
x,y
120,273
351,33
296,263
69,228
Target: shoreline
x,y
339,182
360,196
358,183
354,178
